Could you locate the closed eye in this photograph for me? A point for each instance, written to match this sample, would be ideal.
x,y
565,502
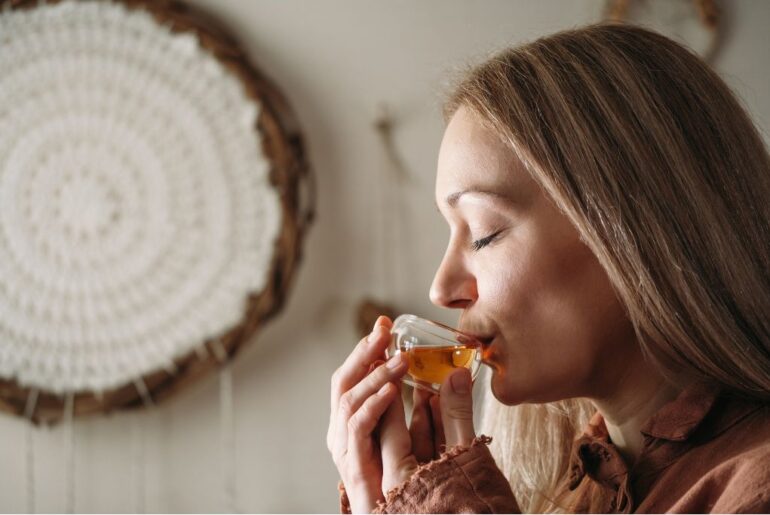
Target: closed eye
x,y
483,242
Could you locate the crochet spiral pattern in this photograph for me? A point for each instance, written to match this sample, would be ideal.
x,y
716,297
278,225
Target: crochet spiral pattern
x,y
136,209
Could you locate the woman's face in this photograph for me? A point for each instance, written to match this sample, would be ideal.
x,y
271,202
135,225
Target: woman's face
x,y
525,281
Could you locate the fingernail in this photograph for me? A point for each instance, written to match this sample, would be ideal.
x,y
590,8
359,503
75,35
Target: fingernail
x,y
379,322
461,382
394,362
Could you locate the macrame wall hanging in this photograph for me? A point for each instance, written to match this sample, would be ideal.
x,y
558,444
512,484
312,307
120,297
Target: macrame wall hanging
x,y
150,210
153,198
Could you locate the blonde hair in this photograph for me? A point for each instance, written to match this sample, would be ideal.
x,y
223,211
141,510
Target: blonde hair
x,y
661,171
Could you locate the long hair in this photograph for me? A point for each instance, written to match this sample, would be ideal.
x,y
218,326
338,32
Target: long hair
x,y
659,168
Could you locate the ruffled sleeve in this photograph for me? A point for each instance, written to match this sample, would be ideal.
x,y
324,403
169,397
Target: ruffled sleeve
x,y
344,502
462,480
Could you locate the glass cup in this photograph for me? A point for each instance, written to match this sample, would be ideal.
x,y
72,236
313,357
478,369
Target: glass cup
x,y
433,351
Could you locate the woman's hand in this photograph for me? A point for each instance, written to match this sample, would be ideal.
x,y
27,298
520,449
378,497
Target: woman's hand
x,y
370,443
438,422
359,397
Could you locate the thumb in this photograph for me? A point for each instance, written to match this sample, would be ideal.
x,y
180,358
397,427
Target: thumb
x,y
457,408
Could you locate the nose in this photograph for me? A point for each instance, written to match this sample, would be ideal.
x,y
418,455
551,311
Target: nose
x,y
454,286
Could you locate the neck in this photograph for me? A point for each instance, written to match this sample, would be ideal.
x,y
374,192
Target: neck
x,y
638,394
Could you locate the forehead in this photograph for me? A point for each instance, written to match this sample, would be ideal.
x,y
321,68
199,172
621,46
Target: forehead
x,y
472,156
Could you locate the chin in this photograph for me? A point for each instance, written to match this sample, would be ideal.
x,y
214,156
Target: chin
x,y
513,393
504,392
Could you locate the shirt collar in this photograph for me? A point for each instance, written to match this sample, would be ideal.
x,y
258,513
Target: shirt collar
x,y
593,453
679,418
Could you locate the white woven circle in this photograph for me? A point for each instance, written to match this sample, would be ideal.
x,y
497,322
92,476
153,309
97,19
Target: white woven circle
x,y
136,211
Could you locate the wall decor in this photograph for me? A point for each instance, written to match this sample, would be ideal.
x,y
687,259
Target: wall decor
x,y
699,24
154,193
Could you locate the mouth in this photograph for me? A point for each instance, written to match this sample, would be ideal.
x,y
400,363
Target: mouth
x,y
485,340
486,347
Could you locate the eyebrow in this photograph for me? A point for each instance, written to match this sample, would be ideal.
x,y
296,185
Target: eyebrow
x,y
453,198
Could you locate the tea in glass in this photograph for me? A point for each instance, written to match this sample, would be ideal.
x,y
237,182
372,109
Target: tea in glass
x,y
433,351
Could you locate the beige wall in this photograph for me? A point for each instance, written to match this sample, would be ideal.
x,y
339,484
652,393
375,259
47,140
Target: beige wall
x,y
335,60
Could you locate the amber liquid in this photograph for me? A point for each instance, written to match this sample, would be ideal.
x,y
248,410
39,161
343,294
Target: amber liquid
x,y
434,364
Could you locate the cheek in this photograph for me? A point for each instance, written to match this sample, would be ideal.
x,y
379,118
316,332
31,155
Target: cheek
x,y
559,318
558,276
515,282
503,282
577,301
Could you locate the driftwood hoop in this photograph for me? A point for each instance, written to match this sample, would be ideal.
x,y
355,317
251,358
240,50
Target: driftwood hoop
x,y
277,139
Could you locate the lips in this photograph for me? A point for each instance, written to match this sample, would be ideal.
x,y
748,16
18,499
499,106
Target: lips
x,y
486,340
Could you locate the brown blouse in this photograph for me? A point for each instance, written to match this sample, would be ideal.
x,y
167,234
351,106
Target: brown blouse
x,y
706,451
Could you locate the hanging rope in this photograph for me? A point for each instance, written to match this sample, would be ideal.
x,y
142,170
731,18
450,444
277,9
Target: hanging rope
x,y
69,453
387,220
393,225
382,181
29,412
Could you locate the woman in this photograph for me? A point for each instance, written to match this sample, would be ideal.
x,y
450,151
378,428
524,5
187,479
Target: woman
x,y
608,204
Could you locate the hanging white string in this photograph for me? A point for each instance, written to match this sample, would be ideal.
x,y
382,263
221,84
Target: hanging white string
x,y
138,423
165,428
144,393
29,411
137,445
30,444
69,453
226,427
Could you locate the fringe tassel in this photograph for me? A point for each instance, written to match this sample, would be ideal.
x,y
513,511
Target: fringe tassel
x,y
138,461
138,445
29,412
227,428
69,453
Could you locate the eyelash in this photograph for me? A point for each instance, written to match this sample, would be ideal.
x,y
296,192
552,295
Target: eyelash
x,y
483,242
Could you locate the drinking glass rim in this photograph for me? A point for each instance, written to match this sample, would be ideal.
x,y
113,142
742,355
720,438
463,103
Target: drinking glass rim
x,y
472,341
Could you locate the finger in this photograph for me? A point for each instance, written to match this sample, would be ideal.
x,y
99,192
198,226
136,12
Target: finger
x,y
330,431
353,399
376,363
398,462
365,419
457,408
421,426
439,440
360,447
356,365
